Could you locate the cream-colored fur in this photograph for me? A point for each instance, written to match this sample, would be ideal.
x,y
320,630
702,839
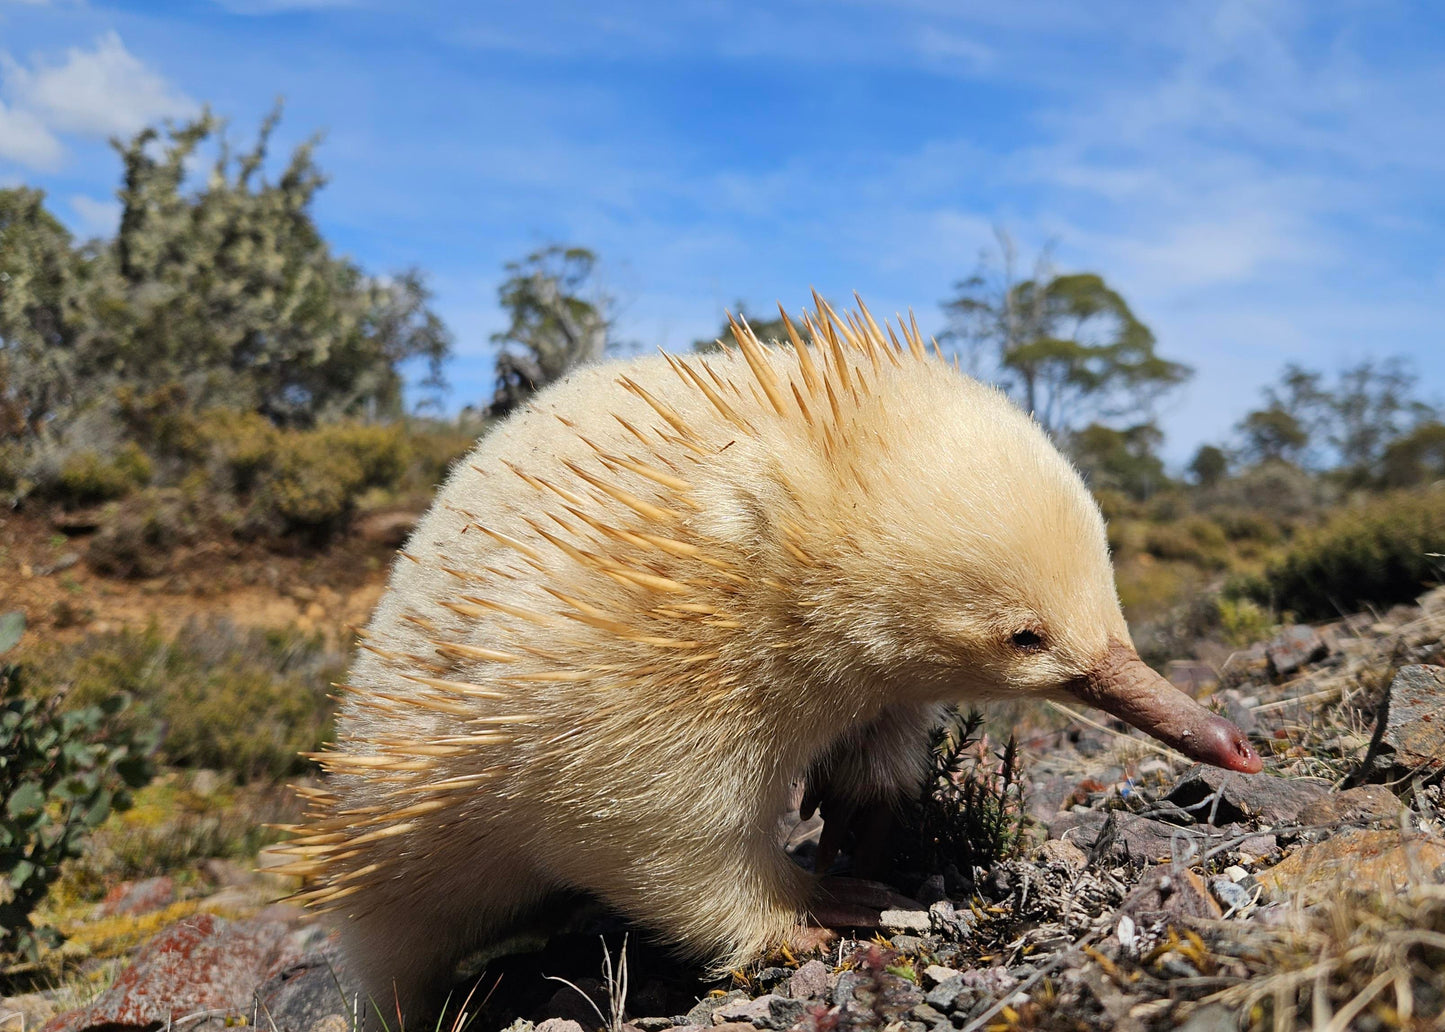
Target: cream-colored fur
x,y
637,613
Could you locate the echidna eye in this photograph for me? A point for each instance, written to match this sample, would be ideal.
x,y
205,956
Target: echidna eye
x,y
1027,640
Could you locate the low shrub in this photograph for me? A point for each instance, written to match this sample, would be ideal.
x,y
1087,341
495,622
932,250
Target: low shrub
x,y
1384,551
64,770
140,538
245,701
1193,539
88,477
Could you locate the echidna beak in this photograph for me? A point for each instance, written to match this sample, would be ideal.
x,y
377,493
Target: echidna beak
x,y
1123,685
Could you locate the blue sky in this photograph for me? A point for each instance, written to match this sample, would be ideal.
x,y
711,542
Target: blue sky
x,y
1261,180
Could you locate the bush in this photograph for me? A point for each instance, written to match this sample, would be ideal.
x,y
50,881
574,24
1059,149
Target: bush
x,y
247,701
1377,554
62,772
141,537
1195,540
87,477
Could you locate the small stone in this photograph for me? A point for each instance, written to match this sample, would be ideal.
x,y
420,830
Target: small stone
x,y
809,982
908,943
769,977
906,920
1123,836
1236,873
927,1014
945,992
770,1011
936,974
1061,853
655,1024
845,987
1212,1017
950,920
1294,647
1163,891
701,1013
1231,895
559,1025
140,897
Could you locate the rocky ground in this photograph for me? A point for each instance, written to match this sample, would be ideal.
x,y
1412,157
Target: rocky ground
x,y
1144,894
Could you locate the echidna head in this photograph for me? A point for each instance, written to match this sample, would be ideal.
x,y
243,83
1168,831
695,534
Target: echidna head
x,y
972,562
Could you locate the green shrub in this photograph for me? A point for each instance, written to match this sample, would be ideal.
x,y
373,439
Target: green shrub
x,y
1194,539
62,772
313,479
1376,554
87,477
246,701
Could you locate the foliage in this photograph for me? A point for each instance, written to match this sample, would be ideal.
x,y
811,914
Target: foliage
x,y
245,701
1377,553
970,810
1209,466
87,477
63,770
1195,539
1121,460
1353,422
553,327
223,295
1417,458
1067,347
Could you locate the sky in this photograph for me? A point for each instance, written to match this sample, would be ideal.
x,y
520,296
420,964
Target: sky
x,y
1260,179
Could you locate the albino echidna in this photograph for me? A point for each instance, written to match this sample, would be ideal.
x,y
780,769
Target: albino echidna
x,y
642,609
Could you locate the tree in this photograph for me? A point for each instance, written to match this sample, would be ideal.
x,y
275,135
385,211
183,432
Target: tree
x,y
1274,434
39,276
1347,427
232,291
1417,458
555,327
1209,466
1120,460
1066,347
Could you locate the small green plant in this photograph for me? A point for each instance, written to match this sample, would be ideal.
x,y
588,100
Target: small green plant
x,y
970,810
88,477
1242,621
62,772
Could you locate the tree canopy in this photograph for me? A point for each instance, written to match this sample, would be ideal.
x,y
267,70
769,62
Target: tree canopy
x,y
228,290
1066,346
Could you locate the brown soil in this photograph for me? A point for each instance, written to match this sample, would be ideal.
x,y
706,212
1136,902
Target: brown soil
x,y
44,573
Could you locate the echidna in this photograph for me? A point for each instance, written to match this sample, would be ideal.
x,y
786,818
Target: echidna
x,y
642,609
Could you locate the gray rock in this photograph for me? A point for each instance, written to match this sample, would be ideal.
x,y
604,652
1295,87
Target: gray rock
x,y
1415,725
936,974
1293,648
652,1024
907,943
928,1015
1212,1017
950,920
945,993
846,986
701,1013
770,1011
1230,797
906,920
809,982
1231,895
307,993
1123,836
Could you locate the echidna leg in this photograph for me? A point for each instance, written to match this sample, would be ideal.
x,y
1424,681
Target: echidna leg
x,y
404,952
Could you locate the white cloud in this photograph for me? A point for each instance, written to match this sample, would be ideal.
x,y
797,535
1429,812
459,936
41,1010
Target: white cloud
x,y
95,217
97,92
25,140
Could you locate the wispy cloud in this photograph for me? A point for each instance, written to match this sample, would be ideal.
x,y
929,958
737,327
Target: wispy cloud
x,y
26,141
99,91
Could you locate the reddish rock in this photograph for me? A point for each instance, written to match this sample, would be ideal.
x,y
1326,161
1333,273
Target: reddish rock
x,y
1293,648
1355,804
138,897
1415,727
201,964
1362,860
